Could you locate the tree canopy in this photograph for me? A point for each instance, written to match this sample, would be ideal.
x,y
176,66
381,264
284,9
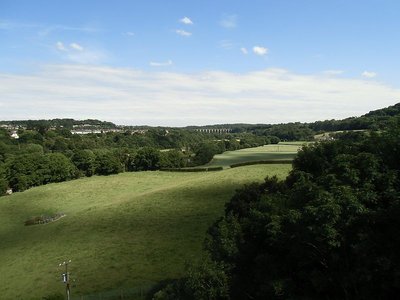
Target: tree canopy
x,y
329,231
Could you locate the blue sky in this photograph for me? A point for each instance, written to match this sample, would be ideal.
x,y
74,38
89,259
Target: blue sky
x,y
198,62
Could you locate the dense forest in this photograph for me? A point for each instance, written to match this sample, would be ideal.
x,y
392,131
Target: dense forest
x,y
329,231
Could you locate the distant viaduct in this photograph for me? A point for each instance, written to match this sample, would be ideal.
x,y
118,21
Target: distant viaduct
x,y
214,130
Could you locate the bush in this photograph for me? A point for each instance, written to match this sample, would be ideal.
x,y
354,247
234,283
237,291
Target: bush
x,y
108,163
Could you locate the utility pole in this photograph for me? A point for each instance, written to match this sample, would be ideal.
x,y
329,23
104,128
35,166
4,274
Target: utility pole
x,y
65,278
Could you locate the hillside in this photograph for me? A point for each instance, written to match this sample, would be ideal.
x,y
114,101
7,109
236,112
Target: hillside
x,y
389,111
279,152
292,131
130,230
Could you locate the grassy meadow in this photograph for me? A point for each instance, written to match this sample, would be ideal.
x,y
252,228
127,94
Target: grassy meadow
x,y
281,151
122,231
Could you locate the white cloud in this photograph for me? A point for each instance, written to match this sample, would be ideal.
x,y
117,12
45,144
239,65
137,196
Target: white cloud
x,y
127,96
368,74
161,64
129,33
60,46
186,21
183,32
333,72
260,50
244,50
228,21
76,46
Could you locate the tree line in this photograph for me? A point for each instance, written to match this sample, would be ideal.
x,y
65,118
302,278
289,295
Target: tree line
x,y
297,131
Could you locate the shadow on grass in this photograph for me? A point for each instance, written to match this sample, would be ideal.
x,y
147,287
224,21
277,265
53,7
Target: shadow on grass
x,y
144,238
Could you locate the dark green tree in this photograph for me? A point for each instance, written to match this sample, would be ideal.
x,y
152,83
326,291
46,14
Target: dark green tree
x,y
147,158
84,160
172,159
3,180
108,163
55,167
205,152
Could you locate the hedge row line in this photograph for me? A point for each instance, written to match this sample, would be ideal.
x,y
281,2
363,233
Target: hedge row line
x,y
248,163
262,162
192,169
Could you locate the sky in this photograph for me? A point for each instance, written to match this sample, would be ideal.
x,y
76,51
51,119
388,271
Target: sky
x,y
179,63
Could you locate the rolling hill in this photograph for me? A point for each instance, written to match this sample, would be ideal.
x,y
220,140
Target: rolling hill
x,y
127,231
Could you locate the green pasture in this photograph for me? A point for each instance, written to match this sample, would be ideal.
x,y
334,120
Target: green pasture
x,y
281,151
124,231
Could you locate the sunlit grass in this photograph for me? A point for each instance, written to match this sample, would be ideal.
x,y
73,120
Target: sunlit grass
x,y
125,230
281,151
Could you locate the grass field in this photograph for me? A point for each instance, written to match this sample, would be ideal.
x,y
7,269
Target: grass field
x,y
281,151
122,231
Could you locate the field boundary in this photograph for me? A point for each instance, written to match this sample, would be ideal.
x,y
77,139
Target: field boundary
x,y
192,169
262,162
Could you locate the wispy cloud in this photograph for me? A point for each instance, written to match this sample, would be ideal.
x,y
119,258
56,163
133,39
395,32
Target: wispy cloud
x,y
244,50
333,72
128,96
72,46
10,25
186,20
161,64
228,21
87,57
60,46
183,32
46,30
41,29
129,33
260,50
225,44
368,74
78,54
76,46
